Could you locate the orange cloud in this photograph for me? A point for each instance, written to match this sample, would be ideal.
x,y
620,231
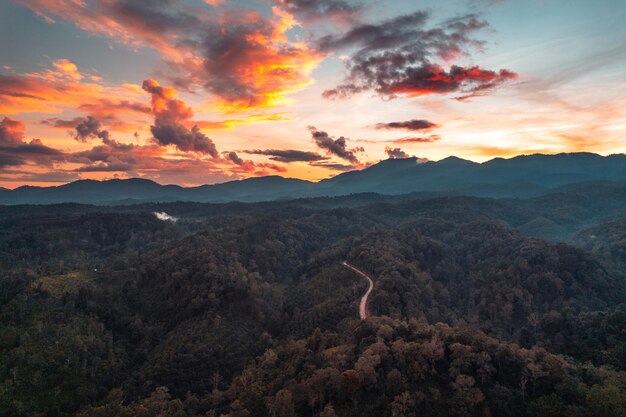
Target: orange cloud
x,y
164,104
11,130
33,162
242,58
68,69
64,88
123,21
252,63
16,151
245,120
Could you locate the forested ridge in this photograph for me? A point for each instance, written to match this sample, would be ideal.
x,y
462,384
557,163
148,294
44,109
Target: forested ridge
x,y
481,307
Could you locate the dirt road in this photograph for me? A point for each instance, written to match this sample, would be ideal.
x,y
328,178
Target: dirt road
x,y
364,312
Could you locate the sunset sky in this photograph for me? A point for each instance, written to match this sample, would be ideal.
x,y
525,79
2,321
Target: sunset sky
x,y
198,92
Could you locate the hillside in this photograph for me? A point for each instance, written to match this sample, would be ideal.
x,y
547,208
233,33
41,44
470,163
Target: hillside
x,y
246,310
522,176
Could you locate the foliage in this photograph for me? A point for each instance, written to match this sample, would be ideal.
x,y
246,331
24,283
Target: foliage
x,y
246,310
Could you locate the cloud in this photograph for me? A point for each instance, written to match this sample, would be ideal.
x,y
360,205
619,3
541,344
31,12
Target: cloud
x,y
126,159
333,166
248,61
11,131
398,57
337,147
90,128
34,150
242,57
105,167
22,176
250,166
415,124
417,139
131,22
287,155
187,140
114,156
247,166
53,91
164,106
16,151
68,69
106,106
18,157
273,167
169,115
245,120
150,160
316,10
161,215
63,123
396,153
485,3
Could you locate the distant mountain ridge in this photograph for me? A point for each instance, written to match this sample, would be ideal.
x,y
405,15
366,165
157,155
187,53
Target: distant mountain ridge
x,y
521,176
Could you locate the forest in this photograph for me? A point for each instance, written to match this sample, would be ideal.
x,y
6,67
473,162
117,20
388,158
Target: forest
x,y
481,307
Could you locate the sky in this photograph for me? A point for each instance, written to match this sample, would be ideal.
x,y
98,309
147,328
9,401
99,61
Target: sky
x,y
205,91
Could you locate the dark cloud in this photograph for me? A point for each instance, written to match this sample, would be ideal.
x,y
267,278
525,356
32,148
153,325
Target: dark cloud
x,y
247,166
155,19
17,87
232,156
316,10
187,140
245,63
90,128
64,123
250,166
16,151
34,151
376,37
415,124
396,153
11,131
242,56
333,166
169,115
9,160
111,156
485,3
104,107
110,119
398,57
22,176
287,155
273,167
417,139
337,147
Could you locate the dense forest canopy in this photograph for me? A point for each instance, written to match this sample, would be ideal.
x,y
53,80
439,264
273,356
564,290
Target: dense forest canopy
x,y
481,307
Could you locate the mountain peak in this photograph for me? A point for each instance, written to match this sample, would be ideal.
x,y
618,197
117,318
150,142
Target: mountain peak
x,y
450,160
518,176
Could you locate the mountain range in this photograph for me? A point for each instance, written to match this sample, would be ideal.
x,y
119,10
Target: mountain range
x,y
520,176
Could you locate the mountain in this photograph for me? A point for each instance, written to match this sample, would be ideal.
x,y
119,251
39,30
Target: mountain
x,y
521,176
524,175
94,192
252,189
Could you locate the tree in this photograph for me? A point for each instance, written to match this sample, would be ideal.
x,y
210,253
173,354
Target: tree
x,y
606,401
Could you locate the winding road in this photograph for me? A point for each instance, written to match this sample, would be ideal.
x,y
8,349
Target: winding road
x,y
364,312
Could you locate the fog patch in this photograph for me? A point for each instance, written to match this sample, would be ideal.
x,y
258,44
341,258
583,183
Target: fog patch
x,y
161,215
